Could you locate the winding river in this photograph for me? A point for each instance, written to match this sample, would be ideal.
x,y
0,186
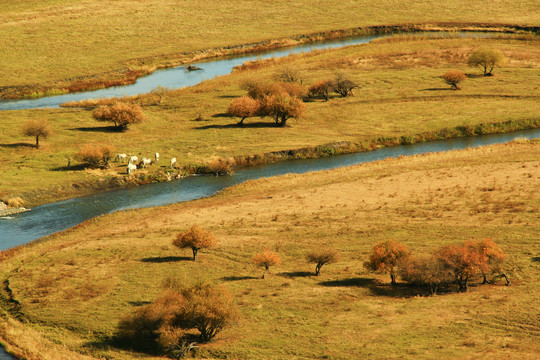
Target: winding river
x,y
50,218
179,77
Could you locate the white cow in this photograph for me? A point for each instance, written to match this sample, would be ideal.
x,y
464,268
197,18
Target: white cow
x,y
133,159
173,162
120,158
145,162
157,157
131,167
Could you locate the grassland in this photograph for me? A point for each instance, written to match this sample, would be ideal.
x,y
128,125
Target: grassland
x,y
73,287
401,94
56,40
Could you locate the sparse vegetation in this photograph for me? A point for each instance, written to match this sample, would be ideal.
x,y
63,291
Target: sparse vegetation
x,y
37,129
486,59
321,89
195,239
343,85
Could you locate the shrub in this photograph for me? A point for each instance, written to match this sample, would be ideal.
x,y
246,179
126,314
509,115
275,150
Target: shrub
x,y
344,86
322,257
15,202
160,92
37,129
486,59
425,271
196,239
321,89
266,259
282,107
495,257
243,107
166,323
385,257
95,155
120,113
220,166
454,77
289,75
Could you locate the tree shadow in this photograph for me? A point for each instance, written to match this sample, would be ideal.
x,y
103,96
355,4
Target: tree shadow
x,y
19,144
352,282
77,167
138,303
164,259
437,89
228,96
474,76
536,259
221,115
239,126
297,274
238,278
103,129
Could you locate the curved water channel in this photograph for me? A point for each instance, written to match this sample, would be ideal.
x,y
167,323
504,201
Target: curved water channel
x,y
179,77
50,218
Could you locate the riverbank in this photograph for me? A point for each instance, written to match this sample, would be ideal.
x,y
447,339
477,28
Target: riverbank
x,y
6,210
140,67
42,196
107,266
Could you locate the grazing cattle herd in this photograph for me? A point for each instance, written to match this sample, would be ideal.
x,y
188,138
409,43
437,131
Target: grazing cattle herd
x,y
134,163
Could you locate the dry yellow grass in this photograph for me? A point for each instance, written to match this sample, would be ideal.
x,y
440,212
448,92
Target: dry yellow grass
x,y
75,286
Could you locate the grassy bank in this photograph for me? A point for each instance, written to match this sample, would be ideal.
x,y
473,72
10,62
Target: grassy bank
x,y
402,99
110,265
111,41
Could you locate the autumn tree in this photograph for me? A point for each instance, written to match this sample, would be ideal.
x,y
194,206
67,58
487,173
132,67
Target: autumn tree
x,y
121,114
321,89
282,107
37,129
494,257
465,261
425,271
385,258
165,323
243,107
95,155
196,239
344,86
486,59
454,77
321,257
266,259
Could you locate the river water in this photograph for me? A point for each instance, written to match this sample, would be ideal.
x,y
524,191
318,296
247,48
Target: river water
x,y
50,218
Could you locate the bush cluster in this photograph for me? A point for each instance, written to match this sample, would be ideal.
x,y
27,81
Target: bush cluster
x,y
177,317
97,156
451,264
121,114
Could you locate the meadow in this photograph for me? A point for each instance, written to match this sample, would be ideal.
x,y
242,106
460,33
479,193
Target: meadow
x,y
64,44
68,291
401,94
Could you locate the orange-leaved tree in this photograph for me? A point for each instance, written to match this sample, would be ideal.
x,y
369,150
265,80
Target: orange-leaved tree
x,y
243,107
495,258
196,239
425,271
266,258
454,77
282,107
95,155
321,89
120,113
385,258
464,260
322,257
